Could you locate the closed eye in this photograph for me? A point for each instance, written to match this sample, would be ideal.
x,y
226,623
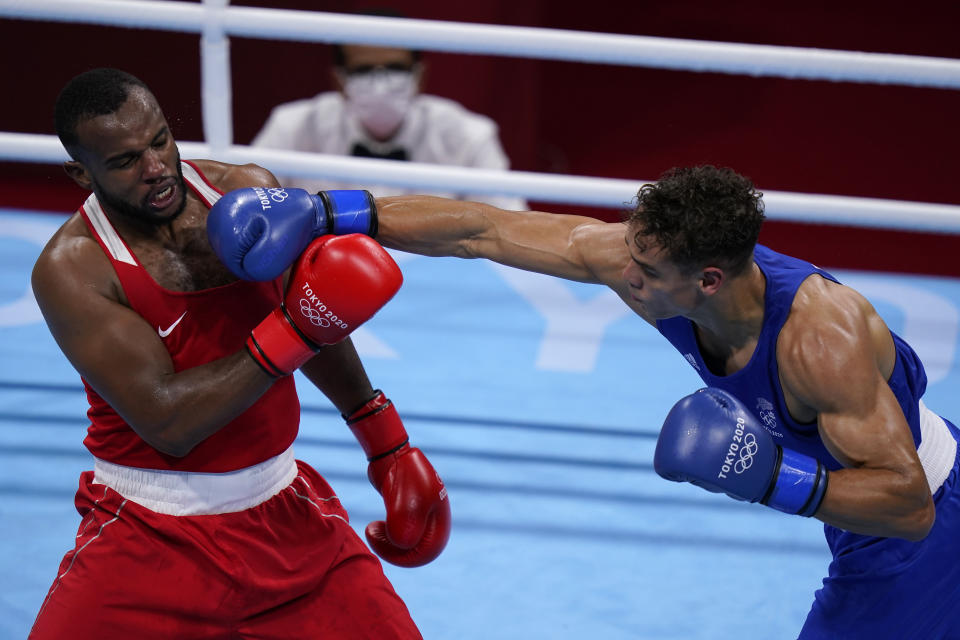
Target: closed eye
x,y
123,162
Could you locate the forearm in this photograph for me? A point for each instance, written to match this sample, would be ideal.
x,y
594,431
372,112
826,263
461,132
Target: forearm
x,y
432,226
878,502
566,246
180,410
337,371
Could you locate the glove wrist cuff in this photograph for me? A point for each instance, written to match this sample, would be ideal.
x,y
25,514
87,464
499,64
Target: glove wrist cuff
x,y
278,346
347,211
377,427
800,484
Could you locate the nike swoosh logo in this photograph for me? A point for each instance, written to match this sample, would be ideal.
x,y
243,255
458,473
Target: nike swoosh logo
x,y
165,332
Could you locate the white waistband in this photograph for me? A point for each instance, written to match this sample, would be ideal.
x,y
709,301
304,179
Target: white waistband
x,y
184,493
938,448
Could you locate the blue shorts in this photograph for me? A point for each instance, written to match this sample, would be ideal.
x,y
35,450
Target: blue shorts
x,y
890,587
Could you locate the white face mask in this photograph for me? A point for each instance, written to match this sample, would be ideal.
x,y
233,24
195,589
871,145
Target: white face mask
x,y
380,99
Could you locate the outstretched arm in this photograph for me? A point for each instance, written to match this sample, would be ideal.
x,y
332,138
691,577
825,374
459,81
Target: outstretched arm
x,y
571,247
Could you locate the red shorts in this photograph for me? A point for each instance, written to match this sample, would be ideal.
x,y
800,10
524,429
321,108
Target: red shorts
x,y
290,567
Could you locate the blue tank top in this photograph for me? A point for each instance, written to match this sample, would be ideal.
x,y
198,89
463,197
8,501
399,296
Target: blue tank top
x,y
757,385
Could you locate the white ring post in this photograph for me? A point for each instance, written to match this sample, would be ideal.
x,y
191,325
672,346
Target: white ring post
x,y
217,89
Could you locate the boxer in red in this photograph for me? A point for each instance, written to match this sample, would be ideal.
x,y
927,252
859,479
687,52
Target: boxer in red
x,y
197,520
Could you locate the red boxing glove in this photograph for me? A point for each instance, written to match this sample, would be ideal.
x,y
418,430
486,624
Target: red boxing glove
x,y
337,284
418,512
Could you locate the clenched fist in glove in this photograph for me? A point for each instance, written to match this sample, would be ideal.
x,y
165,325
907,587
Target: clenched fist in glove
x,y
258,232
418,511
711,439
336,285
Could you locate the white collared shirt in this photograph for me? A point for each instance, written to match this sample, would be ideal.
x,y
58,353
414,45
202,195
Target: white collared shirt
x,y
436,130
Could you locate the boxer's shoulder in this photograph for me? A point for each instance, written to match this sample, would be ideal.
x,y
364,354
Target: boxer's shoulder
x,y
73,242
831,315
227,177
73,256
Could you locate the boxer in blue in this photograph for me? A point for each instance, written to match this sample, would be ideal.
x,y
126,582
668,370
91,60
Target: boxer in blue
x,y
812,406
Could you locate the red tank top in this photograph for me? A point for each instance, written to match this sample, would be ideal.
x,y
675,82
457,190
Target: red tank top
x,y
196,327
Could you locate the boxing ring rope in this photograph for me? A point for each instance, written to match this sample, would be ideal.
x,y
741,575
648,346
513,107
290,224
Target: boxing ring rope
x,y
215,21
546,187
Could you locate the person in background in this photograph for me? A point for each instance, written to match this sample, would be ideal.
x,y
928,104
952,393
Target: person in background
x,y
378,111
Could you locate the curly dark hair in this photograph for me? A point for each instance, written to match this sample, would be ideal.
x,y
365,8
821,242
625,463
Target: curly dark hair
x,y
93,93
699,215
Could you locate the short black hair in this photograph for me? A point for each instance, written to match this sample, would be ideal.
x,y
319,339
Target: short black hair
x,y
93,93
340,59
700,215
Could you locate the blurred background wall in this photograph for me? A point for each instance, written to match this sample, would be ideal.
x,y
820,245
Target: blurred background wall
x,y
587,119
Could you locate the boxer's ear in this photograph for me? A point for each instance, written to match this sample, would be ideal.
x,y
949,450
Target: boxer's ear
x,y
711,279
79,173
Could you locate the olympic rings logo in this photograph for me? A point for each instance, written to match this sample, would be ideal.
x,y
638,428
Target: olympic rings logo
x,y
278,194
749,449
312,314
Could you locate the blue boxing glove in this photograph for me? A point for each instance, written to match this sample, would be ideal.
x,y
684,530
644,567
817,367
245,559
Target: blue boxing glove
x,y
258,232
711,440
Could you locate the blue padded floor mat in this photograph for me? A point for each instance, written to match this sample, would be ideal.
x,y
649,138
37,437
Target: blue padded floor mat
x,y
538,401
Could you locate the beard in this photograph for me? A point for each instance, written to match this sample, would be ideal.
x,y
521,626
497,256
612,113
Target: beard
x,y
143,212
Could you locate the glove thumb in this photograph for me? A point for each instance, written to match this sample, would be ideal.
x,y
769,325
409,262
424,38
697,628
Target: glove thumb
x,y
436,533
